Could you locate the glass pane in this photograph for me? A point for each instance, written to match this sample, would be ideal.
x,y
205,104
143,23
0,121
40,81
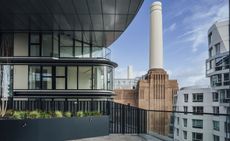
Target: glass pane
x,y
46,83
110,78
85,77
66,40
97,52
34,77
34,38
34,50
47,72
60,71
78,52
99,77
55,44
72,78
86,51
66,52
60,83
46,45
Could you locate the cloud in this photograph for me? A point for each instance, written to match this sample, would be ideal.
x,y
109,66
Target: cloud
x,y
171,28
199,22
193,73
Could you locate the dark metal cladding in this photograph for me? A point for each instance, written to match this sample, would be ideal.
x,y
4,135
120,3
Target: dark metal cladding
x,y
101,21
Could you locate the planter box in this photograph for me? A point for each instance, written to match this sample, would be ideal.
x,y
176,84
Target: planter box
x,y
55,129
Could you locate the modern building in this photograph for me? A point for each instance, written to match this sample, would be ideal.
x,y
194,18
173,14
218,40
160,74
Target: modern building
x,y
155,91
59,49
214,100
218,63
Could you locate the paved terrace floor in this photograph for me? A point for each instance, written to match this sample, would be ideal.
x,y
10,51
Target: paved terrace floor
x,y
121,137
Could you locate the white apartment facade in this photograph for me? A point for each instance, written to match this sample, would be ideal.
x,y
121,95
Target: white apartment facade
x,y
214,100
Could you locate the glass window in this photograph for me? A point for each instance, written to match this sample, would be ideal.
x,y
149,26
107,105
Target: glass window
x,y
60,77
66,40
60,71
185,134
34,77
197,123
72,78
55,45
215,110
34,38
66,52
46,44
34,50
185,122
185,109
99,77
60,83
46,78
217,46
86,50
216,138
97,52
197,97
85,77
177,132
198,109
178,120
185,97
197,136
78,52
215,97
209,38
110,78
216,125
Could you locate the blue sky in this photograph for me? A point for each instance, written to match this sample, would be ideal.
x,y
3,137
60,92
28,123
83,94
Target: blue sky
x,y
185,26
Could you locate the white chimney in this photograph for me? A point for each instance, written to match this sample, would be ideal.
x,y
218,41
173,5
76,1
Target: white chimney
x,y
156,37
130,72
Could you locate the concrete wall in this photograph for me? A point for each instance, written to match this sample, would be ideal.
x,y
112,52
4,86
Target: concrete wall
x,y
20,77
20,44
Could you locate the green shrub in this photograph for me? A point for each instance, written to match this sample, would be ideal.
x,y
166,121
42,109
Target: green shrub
x,y
46,115
58,114
9,113
33,115
68,114
18,114
80,114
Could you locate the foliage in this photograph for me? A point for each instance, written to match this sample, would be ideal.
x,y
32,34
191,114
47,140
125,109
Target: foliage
x,y
67,114
19,114
58,114
83,114
33,115
40,114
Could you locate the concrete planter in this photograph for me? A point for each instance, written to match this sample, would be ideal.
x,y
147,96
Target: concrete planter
x,y
54,129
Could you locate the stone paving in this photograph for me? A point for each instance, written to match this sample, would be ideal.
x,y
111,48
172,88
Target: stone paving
x,y
115,137
123,137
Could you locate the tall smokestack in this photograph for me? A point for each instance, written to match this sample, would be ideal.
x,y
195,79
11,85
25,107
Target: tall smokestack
x,y
130,72
156,37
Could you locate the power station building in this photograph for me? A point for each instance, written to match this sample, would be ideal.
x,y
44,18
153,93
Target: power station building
x,y
155,91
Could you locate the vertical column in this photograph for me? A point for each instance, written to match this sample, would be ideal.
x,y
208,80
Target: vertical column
x,y
156,37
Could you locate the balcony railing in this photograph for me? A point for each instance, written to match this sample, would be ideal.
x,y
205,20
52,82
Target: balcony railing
x,y
164,125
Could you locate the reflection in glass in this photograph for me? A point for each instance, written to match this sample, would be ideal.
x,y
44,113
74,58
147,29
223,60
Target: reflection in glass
x,y
99,79
46,83
86,50
66,52
34,77
46,45
97,52
34,50
85,77
72,78
110,78
60,83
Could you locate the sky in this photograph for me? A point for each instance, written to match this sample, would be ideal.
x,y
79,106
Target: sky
x,y
185,27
